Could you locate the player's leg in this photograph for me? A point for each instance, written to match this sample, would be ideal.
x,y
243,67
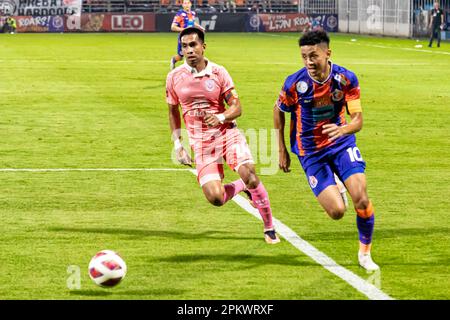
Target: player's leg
x,y
260,200
431,38
342,190
177,57
322,182
438,31
209,164
238,157
210,178
350,166
365,218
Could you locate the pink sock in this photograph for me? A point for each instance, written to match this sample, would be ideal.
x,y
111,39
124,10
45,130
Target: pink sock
x,y
232,189
261,200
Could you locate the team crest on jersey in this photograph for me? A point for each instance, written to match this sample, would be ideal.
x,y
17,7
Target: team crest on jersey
x,y
302,86
209,85
312,181
339,78
337,95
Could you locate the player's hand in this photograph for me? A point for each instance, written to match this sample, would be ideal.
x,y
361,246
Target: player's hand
x,y
284,160
211,120
333,131
183,157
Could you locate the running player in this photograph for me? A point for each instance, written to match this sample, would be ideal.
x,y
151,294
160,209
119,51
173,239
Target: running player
x,y
201,87
184,18
317,97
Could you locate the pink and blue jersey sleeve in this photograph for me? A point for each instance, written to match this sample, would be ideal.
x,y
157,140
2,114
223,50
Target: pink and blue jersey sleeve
x,y
287,99
184,19
352,90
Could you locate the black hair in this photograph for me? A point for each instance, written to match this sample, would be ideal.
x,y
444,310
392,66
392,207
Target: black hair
x,y
191,30
312,38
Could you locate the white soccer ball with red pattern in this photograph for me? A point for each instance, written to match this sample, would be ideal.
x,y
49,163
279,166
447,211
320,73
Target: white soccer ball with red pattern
x,y
107,268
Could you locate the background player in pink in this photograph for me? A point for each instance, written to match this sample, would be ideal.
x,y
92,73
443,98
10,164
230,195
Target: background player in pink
x,y
201,87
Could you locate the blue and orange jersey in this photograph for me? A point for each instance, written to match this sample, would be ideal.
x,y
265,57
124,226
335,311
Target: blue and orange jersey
x,y
313,104
184,19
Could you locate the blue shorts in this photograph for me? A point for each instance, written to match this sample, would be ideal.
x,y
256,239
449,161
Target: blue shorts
x,y
344,160
179,50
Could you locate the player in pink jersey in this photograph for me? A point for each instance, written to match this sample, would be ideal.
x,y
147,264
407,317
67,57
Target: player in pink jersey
x,y
201,87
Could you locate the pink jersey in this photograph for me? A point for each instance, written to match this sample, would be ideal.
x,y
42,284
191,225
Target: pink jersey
x,y
198,94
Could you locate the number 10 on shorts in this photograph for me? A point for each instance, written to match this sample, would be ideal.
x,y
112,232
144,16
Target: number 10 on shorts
x,y
354,154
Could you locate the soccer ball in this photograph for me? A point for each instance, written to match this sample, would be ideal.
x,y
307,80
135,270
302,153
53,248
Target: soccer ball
x,y
107,268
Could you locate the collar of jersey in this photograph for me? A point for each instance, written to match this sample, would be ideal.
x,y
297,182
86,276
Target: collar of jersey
x,y
328,78
204,72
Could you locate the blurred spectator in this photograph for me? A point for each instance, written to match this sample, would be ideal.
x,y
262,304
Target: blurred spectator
x,y
231,6
436,24
221,4
254,6
10,25
266,5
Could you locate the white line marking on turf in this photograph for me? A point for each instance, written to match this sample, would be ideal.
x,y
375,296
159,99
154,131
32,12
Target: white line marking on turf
x,y
87,169
82,61
321,258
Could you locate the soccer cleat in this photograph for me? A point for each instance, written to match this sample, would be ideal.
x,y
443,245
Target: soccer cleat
x,y
365,261
249,195
342,190
271,236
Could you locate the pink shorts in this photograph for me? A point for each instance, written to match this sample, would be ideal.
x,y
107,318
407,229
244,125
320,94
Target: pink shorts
x,y
210,155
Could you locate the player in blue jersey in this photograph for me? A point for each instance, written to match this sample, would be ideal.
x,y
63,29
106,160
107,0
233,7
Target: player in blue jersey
x,y
184,18
318,96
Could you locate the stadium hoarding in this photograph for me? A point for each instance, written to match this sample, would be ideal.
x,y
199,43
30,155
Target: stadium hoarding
x,y
290,22
41,7
40,24
223,22
107,22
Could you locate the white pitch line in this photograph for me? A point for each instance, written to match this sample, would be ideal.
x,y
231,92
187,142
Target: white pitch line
x,y
368,289
87,169
96,61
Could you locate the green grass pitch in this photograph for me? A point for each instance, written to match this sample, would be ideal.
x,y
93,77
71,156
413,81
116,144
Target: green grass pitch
x,y
97,101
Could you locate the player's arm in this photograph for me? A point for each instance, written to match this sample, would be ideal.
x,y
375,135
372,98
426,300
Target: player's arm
x,y
234,111
334,131
199,26
175,127
279,120
175,27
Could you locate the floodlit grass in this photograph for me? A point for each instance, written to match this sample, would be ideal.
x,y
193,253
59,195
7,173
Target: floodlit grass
x,y
98,101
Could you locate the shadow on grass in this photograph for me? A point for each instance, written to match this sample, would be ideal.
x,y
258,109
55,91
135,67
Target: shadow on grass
x,y
243,260
100,292
142,233
91,293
